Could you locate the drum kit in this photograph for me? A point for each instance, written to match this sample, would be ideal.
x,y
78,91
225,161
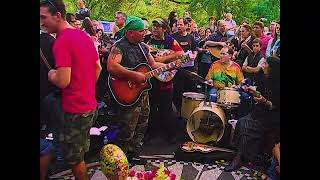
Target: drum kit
x,y
206,120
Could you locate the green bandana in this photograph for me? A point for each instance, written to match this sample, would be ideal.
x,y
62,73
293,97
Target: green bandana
x,y
132,23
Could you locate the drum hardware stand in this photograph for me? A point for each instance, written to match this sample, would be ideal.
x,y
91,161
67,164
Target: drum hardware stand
x,y
207,103
206,95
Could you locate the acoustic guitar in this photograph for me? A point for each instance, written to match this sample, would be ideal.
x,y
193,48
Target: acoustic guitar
x,y
215,50
190,146
127,93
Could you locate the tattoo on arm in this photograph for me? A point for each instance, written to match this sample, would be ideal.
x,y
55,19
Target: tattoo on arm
x,y
114,52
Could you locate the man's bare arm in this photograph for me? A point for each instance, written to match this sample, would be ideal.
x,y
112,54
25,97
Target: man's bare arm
x,y
119,71
252,69
214,43
169,58
153,63
60,77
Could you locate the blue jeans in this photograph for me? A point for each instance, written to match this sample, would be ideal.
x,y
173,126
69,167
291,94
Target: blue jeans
x,y
51,104
272,172
213,94
45,147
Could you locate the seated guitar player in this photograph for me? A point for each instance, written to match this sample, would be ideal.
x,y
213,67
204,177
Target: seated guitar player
x,y
250,130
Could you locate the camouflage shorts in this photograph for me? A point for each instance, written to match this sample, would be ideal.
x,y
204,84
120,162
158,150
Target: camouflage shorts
x,y
75,136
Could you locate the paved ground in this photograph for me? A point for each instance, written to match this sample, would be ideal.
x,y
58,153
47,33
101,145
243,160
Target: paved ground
x,y
158,145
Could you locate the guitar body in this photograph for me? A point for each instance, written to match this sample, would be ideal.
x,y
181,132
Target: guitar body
x,y
215,51
125,92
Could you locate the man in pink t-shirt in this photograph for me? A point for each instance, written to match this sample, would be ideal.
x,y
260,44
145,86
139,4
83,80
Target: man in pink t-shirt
x,y
258,33
77,69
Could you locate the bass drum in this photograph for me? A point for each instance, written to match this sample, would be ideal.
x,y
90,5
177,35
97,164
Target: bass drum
x,y
206,123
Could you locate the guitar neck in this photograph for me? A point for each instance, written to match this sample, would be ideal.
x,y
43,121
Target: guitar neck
x,y
154,72
170,65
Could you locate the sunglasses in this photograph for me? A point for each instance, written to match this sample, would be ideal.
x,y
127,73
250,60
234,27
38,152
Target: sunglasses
x,y
51,3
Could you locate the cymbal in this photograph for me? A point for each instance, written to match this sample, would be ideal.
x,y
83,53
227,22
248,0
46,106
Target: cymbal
x,y
197,77
194,75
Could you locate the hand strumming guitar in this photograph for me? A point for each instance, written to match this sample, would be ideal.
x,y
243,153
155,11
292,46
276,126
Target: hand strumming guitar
x,y
140,77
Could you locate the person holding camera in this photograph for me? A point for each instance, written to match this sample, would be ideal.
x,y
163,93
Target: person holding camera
x,y
82,12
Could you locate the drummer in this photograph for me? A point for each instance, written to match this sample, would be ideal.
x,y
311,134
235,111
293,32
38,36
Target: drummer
x,y
225,73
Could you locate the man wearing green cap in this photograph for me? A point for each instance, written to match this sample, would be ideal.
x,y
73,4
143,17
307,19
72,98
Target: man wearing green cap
x,y
128,52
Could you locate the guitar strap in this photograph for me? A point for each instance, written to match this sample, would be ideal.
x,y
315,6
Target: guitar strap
x,y
44,60
143,53
245,41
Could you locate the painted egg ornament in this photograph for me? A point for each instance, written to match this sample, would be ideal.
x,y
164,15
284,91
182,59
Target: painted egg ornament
x,y
114,163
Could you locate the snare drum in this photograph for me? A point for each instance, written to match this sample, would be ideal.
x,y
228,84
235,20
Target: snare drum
x,y
190,100
228,97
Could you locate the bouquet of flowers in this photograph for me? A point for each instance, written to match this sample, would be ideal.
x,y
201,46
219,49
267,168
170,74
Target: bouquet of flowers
x,y
158,174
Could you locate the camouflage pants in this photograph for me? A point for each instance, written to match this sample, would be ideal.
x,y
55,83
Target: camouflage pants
x,y
134,123
75,136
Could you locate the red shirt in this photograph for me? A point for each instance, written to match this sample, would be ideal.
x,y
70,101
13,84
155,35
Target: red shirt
x,y
265,39
169,85
74,48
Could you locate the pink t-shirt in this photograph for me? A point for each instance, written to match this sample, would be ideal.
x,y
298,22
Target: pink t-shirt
x,y
265,39
74,48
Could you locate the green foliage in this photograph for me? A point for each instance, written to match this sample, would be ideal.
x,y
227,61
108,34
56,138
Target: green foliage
x,y
268,9
250,10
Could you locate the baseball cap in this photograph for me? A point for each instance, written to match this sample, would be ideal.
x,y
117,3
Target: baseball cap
x,y
159,21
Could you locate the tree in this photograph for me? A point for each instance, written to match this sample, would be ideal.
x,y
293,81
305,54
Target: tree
x,y
249,10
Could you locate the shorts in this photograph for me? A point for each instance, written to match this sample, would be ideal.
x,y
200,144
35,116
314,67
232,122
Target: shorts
x,y
75,136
